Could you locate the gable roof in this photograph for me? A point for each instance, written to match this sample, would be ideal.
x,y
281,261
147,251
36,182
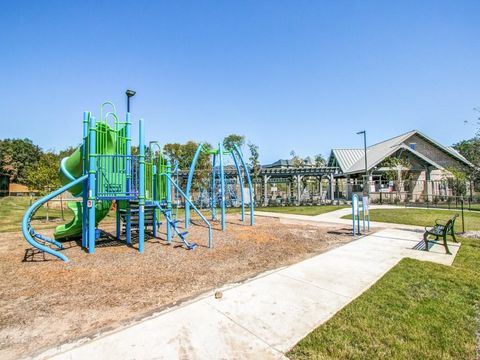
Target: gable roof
x,y
353,160
347,157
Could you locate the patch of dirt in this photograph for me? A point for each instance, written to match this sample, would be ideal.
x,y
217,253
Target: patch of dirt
x,y
46,302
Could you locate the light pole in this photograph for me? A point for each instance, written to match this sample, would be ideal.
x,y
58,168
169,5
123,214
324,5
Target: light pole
x,y
129,93
365,182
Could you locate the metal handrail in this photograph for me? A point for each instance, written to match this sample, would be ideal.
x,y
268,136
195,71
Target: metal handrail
x,y
210,243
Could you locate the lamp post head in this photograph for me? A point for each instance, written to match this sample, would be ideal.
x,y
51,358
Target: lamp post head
x,y
130,93
361,132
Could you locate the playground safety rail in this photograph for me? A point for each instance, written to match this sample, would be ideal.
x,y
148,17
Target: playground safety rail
x,y
210,242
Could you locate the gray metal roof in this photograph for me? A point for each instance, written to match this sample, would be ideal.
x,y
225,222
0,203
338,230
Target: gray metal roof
x,y
353,161
347,157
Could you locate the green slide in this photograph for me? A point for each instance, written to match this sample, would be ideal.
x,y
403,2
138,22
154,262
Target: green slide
x,y
71,168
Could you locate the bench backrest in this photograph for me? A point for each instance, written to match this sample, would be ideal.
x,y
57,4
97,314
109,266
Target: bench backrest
x,y
450,224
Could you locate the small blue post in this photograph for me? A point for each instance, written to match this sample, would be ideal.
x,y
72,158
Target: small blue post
x,y
363,213
91,185
141,190
222,185
86,119
358,217
169,201
128,170
354,207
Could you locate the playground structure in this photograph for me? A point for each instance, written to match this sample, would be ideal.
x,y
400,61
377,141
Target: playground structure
x,y
220,186
103,170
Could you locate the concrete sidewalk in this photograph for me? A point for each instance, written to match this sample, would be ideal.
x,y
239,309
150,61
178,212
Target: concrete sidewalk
x,y
335,217
264,317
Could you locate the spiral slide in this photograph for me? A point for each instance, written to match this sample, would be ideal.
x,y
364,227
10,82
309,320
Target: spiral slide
x,y
70,169
71,175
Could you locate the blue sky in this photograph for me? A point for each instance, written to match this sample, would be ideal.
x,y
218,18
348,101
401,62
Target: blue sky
x,y
289,75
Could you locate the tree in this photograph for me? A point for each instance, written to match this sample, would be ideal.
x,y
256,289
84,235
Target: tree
x,y
43,175
296,160
470,149
254,159
66,152
399,170
458,183
16,155
184,153
320,160
233,139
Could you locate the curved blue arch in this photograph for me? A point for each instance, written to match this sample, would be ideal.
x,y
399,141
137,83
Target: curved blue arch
x,y
249,181
189,183
240,178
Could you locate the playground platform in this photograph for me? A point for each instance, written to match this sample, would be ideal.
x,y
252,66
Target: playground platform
x,y
263,317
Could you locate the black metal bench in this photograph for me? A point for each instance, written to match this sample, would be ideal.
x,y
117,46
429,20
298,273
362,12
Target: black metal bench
x,y
441,229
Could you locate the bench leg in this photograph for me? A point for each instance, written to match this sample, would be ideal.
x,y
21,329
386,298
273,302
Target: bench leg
x,y
446,245
453,235
425,239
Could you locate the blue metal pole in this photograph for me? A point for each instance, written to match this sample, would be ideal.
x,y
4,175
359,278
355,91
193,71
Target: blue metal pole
x,y
92,185
358,217
141,186
353,214
128,170
189,184
240,178
154,197
169,201
222,185
86,120
249,182
213,196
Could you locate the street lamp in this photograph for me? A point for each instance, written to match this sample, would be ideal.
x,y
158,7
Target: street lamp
x,y
129,93
365,153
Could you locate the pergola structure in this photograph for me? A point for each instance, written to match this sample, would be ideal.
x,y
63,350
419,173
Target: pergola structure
x,y
292,176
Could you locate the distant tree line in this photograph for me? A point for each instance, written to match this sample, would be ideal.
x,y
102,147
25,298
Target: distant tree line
x,y
27,164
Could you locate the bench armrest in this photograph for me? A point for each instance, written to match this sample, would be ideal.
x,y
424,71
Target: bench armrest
x,y
441,222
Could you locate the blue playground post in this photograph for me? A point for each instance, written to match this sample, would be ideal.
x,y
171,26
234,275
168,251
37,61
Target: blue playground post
x,y
128,152
169,201
155,178
222,185
91,186
141,190
86,119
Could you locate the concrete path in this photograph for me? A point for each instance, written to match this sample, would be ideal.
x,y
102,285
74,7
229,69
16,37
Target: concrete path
x,y
335,217
264,317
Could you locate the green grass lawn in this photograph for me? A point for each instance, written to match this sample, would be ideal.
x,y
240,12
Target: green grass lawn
x,y
303,210
418,310
423,217
12,210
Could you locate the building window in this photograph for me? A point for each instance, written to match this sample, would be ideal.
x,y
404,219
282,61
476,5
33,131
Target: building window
x,y
412,146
